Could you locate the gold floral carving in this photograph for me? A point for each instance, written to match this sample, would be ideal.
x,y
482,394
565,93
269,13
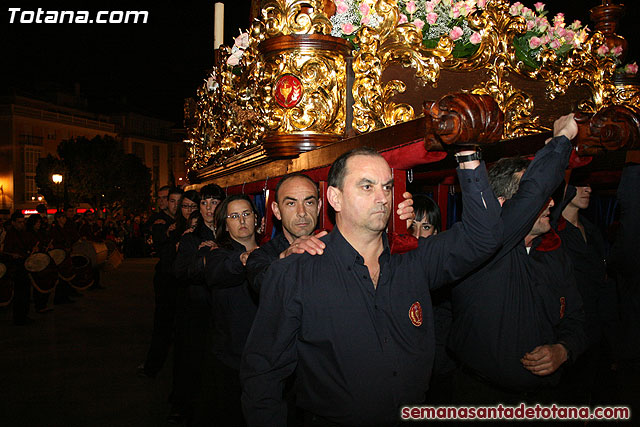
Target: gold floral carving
x,y
283,17
392,44
379,48
322,107
228,116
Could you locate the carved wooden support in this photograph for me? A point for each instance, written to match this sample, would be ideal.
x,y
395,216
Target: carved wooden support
x,y
462,119
612,128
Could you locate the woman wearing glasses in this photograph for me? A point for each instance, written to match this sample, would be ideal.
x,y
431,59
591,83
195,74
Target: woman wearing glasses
x,y
233,307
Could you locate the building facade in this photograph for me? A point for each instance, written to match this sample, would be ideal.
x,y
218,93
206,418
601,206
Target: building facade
x,y
32,128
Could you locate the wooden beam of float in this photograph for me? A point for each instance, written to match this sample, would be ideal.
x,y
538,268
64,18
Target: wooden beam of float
x,y
455,120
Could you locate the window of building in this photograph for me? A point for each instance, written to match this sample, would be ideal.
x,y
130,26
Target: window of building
x,y
31,157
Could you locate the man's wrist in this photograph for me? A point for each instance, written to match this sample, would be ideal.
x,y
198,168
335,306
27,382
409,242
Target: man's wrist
x,y
468,159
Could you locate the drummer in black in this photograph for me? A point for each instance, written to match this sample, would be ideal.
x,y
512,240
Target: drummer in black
x,y
40,241
18,247
62,239
88,232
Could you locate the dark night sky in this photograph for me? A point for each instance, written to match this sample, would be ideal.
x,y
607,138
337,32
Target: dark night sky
x,y
155,65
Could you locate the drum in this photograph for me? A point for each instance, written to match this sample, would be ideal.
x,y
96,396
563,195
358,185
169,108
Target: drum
x,y
42,272
96,252
63,263
6,286
115,256
83,272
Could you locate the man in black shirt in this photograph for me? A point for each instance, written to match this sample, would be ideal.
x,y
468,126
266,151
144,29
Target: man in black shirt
x,y
297,205
165,287
517,319
356,324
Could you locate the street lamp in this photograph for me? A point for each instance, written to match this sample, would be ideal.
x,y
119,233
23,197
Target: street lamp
x,y
57,179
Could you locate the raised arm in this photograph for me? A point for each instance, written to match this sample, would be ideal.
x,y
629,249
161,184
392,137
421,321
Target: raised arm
x,y
449,255
541,179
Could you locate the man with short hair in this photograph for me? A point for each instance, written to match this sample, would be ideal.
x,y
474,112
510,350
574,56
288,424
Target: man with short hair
x,y
517,319
162,198
355,324
297,206
164,286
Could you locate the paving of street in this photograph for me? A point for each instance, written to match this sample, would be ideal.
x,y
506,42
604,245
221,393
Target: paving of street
x,y
76,365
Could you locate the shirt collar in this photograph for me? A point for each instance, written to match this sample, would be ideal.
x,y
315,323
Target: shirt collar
x,y
344,251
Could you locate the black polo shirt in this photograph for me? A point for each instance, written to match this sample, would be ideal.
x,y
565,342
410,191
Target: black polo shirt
x,y
519,300
260,260
359,353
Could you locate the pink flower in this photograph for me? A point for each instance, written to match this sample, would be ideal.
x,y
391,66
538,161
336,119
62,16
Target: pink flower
x,y
482,3
545,39
542,24
364,8
534,43
539,6
516,8
631,68
234,59
475,38
617,51
403,19
411,7
560,32
341,7
347,28
456,33
455,12
242,41
531,25
602,50
555,44
432,18
429,6
419,23
528,13
365,19
576,24
569,36
558,20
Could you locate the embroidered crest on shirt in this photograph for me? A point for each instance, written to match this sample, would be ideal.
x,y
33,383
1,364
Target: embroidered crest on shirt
x,y
415,314
563,304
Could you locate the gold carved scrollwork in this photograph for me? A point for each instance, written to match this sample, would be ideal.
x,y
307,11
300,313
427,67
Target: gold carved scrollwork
x,y
322,107
379,48
283,17
228,115
390,44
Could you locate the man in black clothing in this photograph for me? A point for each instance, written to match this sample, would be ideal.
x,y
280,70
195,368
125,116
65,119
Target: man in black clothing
x,y
297,205
517,319
355,324
165,287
